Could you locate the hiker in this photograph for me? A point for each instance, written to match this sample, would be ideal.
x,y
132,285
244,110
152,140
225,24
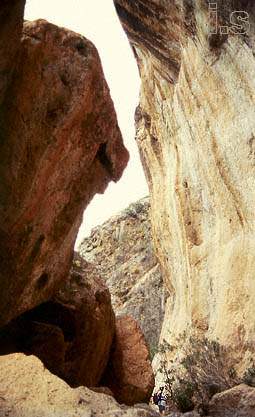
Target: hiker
x,y
160,400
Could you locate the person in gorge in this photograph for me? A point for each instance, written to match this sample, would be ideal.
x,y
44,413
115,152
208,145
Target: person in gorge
x,y
160,400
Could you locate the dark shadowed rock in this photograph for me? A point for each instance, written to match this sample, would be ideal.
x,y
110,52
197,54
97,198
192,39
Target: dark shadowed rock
x,y
11,22
89,302
72,334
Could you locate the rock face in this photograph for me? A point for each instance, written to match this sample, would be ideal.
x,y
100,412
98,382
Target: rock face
x,y
89,300
123,254
59,145
27,389
129,373
236,402
11,21
72,334
196,134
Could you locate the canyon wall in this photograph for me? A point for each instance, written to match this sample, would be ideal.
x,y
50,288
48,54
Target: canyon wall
x,y
122,252
59,145
196,135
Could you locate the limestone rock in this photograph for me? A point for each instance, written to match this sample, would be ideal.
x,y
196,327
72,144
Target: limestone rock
x,y
195,131
129,373
122,251
72,334
27,389
60,144
236,402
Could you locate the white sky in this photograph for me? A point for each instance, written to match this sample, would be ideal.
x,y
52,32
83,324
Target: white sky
x,y
97,20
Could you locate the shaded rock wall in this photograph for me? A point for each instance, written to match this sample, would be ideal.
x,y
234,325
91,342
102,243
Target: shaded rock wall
x,y
59,145
89,300
195,131
123,254
72,333
11,22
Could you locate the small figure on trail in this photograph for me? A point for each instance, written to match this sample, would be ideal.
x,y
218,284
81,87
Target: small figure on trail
x,y
160,400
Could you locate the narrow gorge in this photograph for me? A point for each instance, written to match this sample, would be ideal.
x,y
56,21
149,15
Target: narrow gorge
x,y
166,283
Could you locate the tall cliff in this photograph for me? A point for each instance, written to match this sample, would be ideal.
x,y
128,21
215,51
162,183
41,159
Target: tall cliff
x,y
59,145
122,252
196,135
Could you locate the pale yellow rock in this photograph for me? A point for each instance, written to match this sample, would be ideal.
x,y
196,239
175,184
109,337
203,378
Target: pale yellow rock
x,y
27,389
197,141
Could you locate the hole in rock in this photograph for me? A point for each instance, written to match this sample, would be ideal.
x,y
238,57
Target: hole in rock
x,y
55,314
42,281
103,158
81,48
48,321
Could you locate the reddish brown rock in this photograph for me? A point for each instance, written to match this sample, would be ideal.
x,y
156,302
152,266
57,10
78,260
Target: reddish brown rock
x,y
59,145
129,373
89,302
72,334
236,402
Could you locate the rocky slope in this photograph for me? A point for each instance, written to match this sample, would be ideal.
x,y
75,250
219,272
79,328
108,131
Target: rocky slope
x,y
195,131
27,389
59,145
122,252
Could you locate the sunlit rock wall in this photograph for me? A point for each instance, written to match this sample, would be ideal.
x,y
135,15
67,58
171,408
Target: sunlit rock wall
x,y
196,135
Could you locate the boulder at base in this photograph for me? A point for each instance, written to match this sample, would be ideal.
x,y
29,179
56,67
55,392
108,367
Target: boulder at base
x,y
235,402
129,374
72,334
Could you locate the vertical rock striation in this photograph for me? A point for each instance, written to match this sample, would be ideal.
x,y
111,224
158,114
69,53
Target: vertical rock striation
x,y
59,145
196,135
